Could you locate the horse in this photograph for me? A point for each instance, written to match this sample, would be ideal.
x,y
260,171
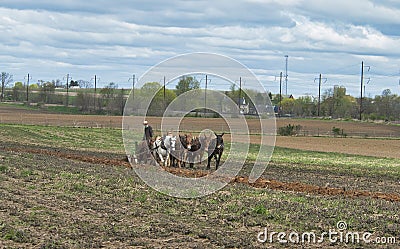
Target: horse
x,y
194,151
159,150
143,152
215,149
205,143
162,149
178,153
185,142
170,145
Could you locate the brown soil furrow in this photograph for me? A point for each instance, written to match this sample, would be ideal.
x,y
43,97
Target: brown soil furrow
x,y
260,183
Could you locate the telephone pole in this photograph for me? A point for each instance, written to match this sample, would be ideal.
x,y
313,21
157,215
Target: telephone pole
x,y
240,91
165,104
95,90
95,83
27,86
205,93
205,97
133,86
319,91
286,73
362,87
122,102
67,76
280,94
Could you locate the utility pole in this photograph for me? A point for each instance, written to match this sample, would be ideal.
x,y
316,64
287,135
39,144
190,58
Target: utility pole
x,y
165,104
240,91
95,89
67,76
205,97
362,87
319,91
95,83
280,92
286,73
27,87
205,94
133,86
122,102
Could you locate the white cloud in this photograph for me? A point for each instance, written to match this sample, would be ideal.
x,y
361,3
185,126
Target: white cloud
x,y
120,37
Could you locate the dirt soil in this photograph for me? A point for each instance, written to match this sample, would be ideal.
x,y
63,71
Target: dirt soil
x,y
120,160
354,145
389,148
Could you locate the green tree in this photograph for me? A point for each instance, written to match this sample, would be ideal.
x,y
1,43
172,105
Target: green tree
x,y
6,79
19,85
107,97
187,83
34,86
337,104
73,83
46,92
387,104
288,105
305,106
155,91
18,93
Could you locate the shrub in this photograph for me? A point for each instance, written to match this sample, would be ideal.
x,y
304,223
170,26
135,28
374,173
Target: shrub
x,y
338,132
289,130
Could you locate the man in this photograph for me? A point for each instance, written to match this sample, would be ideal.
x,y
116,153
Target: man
x,y
148,131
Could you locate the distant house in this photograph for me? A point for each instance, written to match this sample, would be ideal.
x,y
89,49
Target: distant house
x,y
243,106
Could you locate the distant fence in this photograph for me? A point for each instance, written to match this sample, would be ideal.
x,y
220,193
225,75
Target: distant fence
x,y
369,134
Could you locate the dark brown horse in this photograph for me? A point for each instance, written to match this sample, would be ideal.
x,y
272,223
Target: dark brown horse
x,y
194,151
143,152
215,149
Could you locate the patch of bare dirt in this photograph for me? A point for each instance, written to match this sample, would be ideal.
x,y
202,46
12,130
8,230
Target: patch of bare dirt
x,y
389,148
260,183
310,127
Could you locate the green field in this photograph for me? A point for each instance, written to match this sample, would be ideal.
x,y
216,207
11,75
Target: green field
x,y
52,202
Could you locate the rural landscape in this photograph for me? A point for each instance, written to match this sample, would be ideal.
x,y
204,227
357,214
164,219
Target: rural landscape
x,y
199,124
66,183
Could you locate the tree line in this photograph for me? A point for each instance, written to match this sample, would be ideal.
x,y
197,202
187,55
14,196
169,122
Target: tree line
x,y
334,102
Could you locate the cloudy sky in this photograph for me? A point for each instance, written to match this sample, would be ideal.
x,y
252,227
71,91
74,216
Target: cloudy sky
x,y
115,39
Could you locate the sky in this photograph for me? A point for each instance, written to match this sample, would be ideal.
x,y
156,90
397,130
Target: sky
x,y
116,39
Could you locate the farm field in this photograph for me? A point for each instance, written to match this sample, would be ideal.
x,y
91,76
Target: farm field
x,y
388,147
66,187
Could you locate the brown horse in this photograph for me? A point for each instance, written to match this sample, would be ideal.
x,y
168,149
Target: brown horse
x,y
205,143
185,144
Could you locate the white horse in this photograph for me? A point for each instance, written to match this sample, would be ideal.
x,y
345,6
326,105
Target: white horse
x,y
163,148
170,145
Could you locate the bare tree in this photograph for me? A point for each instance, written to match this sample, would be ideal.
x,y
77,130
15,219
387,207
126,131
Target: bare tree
x,y
6,78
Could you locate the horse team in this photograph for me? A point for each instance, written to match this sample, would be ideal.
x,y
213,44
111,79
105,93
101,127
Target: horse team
x,y
177,151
